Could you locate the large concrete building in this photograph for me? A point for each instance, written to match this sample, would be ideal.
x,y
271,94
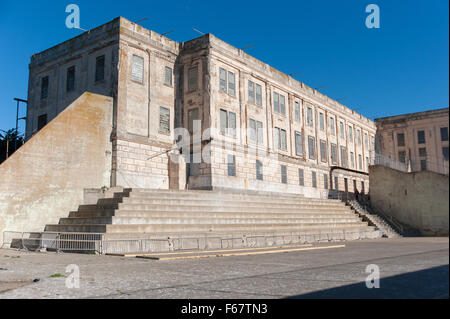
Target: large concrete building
x,y
261,129
419,140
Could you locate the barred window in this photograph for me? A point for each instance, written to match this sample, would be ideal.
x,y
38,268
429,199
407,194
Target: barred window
x,y
343,156
297,111
298,144
341,130
276,102
137,69
321,121
164,120
332,129
309,116
323,151
284,174
168,76
193,79
334,155
325,181
421,137
223,80
314,179
258,95
301,178
231,84
259,170
312,147
251,92
400,139
231,165
44,87
100,68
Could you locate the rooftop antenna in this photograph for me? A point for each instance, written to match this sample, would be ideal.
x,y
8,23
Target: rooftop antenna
x,y
167,32
295,73
141,20
198,31
248,47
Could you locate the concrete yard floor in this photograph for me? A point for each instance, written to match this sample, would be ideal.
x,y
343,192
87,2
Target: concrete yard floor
x,y
409,268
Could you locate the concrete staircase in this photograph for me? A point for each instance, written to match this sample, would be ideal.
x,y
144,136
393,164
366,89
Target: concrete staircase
x,y
207,218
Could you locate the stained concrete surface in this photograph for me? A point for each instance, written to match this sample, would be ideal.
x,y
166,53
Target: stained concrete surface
x,y
409,268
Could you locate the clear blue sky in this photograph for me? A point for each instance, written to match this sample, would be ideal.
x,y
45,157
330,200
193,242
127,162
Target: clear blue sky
x,y
401,67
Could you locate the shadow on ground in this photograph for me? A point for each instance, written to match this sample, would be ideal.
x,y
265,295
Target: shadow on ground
x,y
428,283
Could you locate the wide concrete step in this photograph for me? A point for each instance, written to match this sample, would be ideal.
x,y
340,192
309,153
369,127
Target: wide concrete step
x,y
150,228
201,220
222,208
237,197
227,214
112,202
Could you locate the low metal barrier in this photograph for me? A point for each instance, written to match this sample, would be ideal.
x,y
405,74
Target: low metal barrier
x,y
101,243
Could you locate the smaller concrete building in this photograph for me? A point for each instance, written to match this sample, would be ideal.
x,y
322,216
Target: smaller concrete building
x,y
419,140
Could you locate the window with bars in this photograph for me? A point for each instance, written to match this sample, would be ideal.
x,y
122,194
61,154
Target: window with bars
x,y
309,116
279,103
321,121
421,137
168,74
352,160
444,134
254,93
314,179
164,120
227,122
402,156
350,134
343,156
137,69
100,68
341,130
256,131
360,161
297,111
325,181
358,133
259,170
44,87
298,144
301,177
332,128
283,174
70,82
231,159
312,147
193,79
323,151
400,139
334,154
280,139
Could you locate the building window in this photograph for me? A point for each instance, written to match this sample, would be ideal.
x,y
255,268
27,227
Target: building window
x,y
100,68
367,163
325,181
321,121
336,183
301,178
362,187
352,159
192,116
421,137
44,87
366,141
227,122
137,69
402,156
258,94
280,139
227,82
231,165
444,134
297,111
445,153
298,144
312,147
341,130
309,116
350,134
168,76
423,152
332,129
254,93
164,120
193,79
423,165
400,139
279,103
323,151
256,131
259,170
223,80
314,179
355,188
283,174
343,156
70,83
360,161
358,133
42,121
334,154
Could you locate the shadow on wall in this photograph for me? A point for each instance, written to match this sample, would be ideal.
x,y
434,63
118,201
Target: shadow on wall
x,y
428,283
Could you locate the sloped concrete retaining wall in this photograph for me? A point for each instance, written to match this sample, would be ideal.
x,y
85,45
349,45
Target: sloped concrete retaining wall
x,y
418,199
45,178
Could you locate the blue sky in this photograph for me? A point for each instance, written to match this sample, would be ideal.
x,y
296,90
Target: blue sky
x,y
401,67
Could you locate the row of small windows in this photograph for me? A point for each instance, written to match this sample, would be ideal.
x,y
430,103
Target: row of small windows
x,y
70,77
421,139
231,163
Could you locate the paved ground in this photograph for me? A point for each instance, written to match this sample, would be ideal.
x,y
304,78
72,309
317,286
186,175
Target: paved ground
x,y
409,268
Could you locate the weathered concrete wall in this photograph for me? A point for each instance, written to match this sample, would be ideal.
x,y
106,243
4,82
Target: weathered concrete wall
x,y
418,199
45,178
